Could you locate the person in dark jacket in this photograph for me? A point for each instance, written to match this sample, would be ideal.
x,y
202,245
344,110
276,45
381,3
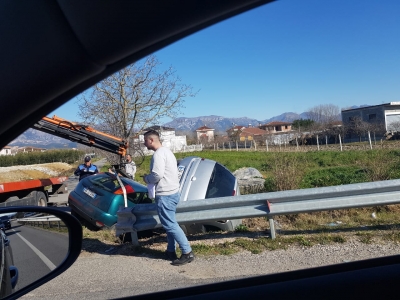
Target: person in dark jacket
x,y
86,169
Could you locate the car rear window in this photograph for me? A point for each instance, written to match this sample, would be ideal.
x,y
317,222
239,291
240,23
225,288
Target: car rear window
x,y
222,183
110,184
105,182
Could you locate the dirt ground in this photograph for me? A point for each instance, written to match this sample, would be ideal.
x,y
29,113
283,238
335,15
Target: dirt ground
x,y
38,171
256,224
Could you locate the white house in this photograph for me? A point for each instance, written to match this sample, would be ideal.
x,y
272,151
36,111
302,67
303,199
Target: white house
x,y
205,133
6,151
168,138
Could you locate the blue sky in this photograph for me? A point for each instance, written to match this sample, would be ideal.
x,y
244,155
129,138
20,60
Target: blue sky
x,y
288,56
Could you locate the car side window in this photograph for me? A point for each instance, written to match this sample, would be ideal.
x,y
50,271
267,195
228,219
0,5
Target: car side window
x,y
222,183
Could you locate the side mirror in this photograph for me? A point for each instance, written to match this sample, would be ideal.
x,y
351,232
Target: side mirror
x,y
36,245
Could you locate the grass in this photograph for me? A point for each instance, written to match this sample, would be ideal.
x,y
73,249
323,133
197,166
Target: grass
x,y
302,230
295,170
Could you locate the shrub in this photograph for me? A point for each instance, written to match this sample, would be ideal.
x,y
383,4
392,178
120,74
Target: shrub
x,y
49,156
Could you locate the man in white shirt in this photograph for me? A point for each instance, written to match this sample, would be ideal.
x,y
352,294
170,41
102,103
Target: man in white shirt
x,y
164,174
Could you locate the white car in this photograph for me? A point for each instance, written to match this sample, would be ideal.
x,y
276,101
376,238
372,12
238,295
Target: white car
x,y
202,178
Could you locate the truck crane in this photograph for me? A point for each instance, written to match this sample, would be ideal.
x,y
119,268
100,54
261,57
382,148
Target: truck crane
x,y
85,135
36,192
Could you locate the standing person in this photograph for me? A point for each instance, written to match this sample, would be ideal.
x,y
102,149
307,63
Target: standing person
x,y
130,167
164,174
86,169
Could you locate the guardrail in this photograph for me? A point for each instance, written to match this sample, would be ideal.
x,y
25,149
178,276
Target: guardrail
x,y
144,216
42,221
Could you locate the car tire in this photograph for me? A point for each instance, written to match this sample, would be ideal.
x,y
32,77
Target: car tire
x,y
41,199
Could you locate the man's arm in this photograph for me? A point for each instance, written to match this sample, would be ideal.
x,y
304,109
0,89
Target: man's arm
x,y
158,170
77,171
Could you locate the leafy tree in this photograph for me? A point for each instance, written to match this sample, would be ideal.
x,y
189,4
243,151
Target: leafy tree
x,y
302,124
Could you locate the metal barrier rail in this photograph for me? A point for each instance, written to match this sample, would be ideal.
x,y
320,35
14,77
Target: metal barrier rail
x,y
42,220
144,216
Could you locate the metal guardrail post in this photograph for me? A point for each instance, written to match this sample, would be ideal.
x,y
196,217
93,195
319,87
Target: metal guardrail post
x,y
134,238
272,228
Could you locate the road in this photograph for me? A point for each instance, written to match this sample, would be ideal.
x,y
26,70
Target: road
x,y
36,251
104,276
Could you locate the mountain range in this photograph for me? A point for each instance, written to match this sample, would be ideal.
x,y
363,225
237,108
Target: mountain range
x,y
39,139
182,125
221,124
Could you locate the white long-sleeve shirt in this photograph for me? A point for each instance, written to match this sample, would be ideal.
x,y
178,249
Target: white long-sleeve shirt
x,y
130,169
164,172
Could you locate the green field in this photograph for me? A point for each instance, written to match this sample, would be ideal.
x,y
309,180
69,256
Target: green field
x,y
297,170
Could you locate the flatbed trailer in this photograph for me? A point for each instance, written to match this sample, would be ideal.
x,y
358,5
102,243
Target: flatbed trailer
x,y
32,192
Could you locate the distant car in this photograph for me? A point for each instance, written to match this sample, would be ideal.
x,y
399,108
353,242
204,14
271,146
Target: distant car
x,y
6,221
97,198
202,178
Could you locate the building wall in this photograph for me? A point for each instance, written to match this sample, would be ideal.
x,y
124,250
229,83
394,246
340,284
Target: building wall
x,y
5,151
169,140
366,114
208,133
278,128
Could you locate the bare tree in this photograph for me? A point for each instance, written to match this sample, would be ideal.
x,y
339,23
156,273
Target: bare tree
x,y
333,132
324,113
134,98
358,127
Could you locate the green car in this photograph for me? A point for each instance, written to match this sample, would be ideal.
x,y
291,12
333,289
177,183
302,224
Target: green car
x,y
97,198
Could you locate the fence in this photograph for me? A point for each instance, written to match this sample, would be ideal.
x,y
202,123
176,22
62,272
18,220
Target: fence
x,y
143,217
286,147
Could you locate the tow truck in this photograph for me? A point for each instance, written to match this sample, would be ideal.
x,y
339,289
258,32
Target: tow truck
x,y
37,192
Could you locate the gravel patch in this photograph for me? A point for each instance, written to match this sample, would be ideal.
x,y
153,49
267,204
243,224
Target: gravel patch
x,y
37,171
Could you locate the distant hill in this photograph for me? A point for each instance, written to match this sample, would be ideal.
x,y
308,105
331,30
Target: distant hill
x,y
287,117
39,139
221,124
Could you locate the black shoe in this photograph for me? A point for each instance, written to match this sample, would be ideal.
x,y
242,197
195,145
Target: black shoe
x,y
184,259
171,255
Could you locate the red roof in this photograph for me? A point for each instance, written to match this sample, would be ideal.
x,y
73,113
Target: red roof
x,y
254,131
202,128
277,123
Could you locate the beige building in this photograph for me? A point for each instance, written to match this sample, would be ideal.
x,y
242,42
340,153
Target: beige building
x,y
276,126
242,133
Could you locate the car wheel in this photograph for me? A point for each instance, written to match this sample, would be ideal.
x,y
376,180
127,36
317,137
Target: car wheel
x,y
41,199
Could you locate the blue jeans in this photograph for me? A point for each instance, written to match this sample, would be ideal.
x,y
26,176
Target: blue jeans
x,y
166,207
